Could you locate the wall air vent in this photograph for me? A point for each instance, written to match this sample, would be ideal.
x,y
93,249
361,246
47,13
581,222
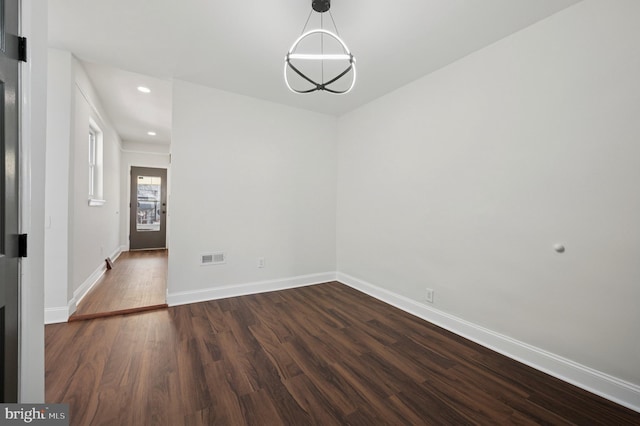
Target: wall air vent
x,y
213,258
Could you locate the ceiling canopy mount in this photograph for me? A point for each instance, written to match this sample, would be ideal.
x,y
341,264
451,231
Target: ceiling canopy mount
x,y
321,6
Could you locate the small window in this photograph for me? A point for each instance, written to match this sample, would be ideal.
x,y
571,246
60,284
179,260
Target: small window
x,y
95,165
93,162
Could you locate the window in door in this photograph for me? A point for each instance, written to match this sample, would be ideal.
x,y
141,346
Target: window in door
x,y
149,192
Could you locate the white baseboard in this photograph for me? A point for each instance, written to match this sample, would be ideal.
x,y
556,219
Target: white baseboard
x,y
182,298
92,279
609,387
56,315
116,254
88,284
60,314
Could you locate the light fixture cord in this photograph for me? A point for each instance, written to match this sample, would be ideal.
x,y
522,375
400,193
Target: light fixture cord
x,y
322,47
334,24
305,24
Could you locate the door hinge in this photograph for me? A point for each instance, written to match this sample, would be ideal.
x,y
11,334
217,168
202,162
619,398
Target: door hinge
x,y
22,49
22,245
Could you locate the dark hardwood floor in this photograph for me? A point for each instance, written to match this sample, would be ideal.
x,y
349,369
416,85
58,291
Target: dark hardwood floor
x,y
137,282
325,355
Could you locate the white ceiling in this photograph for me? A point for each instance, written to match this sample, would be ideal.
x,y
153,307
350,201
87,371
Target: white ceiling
x,y
132,112
239,46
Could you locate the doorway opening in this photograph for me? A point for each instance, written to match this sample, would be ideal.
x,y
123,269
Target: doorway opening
x,y
137,280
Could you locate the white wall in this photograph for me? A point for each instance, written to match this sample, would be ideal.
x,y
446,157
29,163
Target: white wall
x,y
146,148
75,250
60,87
252,179
465,179
94,230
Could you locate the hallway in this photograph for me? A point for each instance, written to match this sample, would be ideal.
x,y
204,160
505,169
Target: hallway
x,y
137,282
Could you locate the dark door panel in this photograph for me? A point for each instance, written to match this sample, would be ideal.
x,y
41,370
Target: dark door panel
x,y
9,167
148,212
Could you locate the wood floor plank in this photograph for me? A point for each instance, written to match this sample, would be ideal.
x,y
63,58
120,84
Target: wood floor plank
x,y
320,355
407,416
259,410
335,388
316,404
282,361
468,401
288,409
224,408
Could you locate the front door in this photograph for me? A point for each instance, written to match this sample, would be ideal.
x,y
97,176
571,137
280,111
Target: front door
x,y
9,169
148,211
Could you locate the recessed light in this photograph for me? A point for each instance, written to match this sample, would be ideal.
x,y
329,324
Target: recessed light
x,y
151,133
144,89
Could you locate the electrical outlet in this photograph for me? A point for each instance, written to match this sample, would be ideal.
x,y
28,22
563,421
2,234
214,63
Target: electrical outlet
x,y
261,262
429,295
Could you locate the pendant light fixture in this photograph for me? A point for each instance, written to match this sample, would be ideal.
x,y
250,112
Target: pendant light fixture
x,y
319,52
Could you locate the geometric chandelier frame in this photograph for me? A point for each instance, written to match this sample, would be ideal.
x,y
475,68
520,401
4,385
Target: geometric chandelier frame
x,y
295,62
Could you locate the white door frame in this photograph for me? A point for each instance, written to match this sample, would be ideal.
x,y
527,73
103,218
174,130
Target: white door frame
x,y
33,26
